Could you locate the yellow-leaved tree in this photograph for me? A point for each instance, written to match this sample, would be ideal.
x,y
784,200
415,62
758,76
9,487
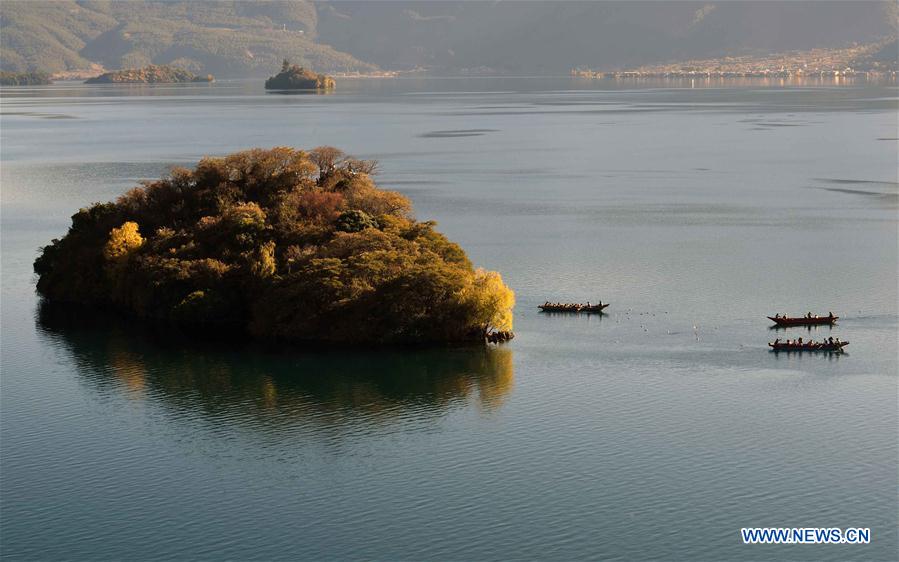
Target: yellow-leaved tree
x,y
491,300
122,241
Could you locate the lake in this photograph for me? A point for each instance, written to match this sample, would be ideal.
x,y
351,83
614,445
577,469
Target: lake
x,y
655,431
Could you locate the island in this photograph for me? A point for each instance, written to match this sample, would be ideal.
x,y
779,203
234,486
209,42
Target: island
x,y
152,74
293,77
24,78
277,244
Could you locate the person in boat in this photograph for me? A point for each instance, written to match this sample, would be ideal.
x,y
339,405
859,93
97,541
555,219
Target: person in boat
x,y
809,315
777,341
789,341
830,315
777,315
799,342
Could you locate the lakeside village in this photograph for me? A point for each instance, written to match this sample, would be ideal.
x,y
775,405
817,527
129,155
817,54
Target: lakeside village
x,y
860,61
692,72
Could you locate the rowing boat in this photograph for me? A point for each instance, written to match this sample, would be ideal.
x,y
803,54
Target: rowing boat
x,y
594,308
831,347
802,320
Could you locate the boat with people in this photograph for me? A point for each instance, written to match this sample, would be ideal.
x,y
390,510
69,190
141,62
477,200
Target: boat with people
x,y
828,344
807,320
573,307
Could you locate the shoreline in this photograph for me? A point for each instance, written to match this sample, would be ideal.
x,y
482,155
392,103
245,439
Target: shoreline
x,y
634,74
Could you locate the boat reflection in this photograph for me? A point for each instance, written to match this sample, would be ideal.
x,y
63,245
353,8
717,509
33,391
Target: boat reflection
x,y
243,380
805,327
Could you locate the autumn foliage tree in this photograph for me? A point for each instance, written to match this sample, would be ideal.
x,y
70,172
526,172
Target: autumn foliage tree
x,y
122,242
281,244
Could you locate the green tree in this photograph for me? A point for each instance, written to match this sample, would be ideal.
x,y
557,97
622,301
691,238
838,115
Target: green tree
x,y
354,221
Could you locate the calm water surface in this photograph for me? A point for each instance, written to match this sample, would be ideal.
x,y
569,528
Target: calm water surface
x,y
656,431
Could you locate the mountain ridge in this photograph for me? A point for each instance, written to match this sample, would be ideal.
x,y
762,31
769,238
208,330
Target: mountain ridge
x,y
233,38
229,38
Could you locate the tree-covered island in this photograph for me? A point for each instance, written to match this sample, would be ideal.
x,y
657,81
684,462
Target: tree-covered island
x,y
24,78
280,244
152,74
293,77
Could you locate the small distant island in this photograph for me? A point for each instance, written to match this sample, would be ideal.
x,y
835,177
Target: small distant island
x,y
152,74
279,244
293,77
24,78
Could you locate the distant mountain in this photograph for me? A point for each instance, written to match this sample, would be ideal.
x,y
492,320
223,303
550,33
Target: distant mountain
x,y
551,37
235,38
221,37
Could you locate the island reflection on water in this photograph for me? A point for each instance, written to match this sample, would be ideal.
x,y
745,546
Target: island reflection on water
x,y
247,381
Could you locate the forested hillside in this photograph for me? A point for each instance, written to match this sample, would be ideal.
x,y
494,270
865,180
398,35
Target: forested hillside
x,y
239,38
229,38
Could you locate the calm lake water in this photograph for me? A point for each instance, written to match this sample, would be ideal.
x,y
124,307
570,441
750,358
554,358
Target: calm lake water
x,y
655,431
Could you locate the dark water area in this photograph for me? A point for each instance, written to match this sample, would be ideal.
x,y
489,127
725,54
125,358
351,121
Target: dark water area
x,y
655,431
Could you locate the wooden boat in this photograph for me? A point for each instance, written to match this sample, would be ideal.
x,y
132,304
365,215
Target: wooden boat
x,y
802,320
810,346
575,307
